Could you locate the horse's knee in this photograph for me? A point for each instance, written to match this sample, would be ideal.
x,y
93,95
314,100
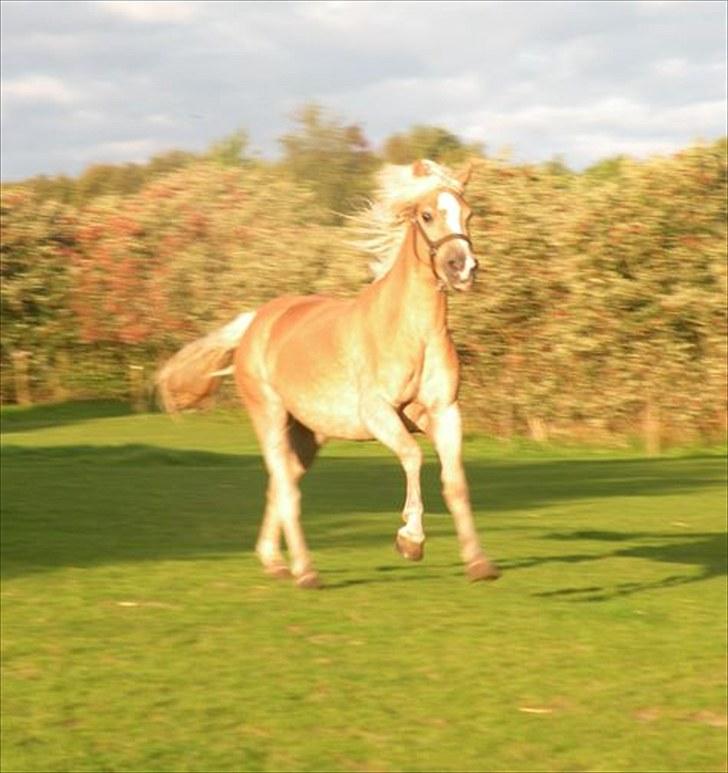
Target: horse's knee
x,y
454,490
411,458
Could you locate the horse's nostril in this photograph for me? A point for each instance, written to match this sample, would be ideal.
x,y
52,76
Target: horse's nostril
x,y
453,264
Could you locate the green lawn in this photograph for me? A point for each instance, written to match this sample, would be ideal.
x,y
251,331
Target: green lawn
x,y
140,635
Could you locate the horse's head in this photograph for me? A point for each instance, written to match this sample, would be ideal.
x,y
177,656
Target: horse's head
x,y
441,218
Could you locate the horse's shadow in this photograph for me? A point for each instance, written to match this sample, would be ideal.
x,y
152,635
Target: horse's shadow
x,y
705,551
85,506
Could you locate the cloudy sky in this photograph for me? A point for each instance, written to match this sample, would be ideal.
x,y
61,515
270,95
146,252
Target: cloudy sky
x,y
118,81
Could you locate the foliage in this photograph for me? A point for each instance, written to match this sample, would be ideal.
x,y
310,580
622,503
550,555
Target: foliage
x,y
35,282
139,633
601,304
108,179
231,150
332,158
431,142
599,313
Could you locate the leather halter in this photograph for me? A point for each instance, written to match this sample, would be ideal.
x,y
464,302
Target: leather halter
x,y
435,246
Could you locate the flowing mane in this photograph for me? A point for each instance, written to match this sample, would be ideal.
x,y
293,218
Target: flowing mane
x,y
380,228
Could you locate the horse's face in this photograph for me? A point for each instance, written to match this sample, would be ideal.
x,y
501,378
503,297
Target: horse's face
x,y
443,218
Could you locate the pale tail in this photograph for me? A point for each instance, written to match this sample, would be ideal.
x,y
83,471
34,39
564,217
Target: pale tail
x,y
196,371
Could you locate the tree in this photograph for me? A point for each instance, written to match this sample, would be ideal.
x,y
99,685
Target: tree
x,y
431,142
231,150
330,157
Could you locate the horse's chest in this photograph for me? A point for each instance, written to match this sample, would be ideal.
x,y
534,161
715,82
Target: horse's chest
x,y
402,378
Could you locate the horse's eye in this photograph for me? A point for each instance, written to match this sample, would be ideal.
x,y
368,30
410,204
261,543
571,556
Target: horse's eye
x,y
427,217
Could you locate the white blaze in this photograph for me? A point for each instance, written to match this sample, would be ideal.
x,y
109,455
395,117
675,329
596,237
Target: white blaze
x,y
451,206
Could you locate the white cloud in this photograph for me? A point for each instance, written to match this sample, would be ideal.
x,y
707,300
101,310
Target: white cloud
x,y
136,150
39,88
617,113
160,119
598,145
660,6
90,117
670,68
154,12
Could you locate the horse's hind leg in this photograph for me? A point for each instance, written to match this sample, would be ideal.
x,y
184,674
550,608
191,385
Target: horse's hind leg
x,y
304,446
268,546
285,466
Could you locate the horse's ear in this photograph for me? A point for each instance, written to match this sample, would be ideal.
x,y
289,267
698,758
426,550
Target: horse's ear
x,y
463,176
420,168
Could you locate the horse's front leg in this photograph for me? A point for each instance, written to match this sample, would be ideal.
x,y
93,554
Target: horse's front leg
x,y
446,432
383,422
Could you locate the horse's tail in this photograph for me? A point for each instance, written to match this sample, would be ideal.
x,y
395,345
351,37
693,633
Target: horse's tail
x,y
196,371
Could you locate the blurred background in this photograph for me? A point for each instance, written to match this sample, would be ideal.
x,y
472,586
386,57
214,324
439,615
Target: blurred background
x,y
167,165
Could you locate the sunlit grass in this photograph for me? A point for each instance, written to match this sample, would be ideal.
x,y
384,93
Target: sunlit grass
x,y
139,633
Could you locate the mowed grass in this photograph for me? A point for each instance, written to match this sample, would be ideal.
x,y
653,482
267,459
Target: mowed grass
x,y
140,635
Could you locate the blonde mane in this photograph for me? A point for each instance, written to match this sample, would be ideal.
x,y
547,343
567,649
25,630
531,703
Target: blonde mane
x,y
380,228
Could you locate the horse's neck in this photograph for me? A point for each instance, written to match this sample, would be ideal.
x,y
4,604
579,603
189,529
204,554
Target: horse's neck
x,y
408,298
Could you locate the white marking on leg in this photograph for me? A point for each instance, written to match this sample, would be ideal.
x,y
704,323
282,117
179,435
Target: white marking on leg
x,y
267,551
413,529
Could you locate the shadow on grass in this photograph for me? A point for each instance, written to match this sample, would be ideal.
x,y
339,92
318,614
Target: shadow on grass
x,y
90,505
708,552
15,418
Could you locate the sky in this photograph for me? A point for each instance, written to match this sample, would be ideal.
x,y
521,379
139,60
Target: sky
x,y
113,82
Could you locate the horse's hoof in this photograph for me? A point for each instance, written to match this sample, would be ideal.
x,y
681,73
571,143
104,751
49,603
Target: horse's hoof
x,y
482,569
278,571
308,580
412,551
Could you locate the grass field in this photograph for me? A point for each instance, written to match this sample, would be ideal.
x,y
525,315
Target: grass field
x,y
140,635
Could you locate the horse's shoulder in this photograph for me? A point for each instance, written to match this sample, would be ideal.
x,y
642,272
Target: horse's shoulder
x,y
440,372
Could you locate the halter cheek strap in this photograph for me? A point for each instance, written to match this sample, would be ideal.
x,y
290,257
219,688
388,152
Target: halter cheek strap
x,y
435,246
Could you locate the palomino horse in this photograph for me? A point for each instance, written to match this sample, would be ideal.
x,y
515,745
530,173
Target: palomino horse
x,y
378,365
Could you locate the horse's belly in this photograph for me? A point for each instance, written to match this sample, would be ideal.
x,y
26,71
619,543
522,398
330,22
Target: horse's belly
x,y
325,400
332,413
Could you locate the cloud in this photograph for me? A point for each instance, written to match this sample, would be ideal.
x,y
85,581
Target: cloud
x,y
587,132
150,12
615,113
39,88
84,79
125,150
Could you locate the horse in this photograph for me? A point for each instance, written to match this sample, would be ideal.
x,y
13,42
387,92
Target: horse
x,y
380,365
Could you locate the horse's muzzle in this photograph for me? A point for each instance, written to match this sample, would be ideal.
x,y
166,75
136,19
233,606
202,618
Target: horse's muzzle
x,y
460,271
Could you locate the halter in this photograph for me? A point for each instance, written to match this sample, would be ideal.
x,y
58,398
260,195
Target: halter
x,y
435,246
